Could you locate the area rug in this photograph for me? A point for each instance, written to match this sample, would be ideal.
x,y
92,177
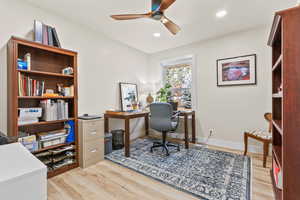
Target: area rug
x,y
205,173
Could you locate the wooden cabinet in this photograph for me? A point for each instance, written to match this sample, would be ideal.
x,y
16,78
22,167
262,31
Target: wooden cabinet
x,y
91,140
285,42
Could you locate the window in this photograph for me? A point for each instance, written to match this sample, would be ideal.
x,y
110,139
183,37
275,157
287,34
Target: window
x,y
179,76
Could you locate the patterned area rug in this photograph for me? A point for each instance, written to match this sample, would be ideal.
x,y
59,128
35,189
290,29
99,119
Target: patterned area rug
x,y
205,173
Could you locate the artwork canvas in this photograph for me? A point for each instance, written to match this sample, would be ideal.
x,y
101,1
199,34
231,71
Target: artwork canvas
x,y
237,71
129,96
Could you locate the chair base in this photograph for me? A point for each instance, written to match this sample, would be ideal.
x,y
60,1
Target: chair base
x,y
164,144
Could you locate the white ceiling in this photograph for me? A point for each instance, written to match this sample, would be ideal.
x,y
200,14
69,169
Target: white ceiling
x,y
196,18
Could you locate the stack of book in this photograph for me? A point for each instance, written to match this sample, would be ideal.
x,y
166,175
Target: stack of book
x,y
29,142
52,138
30,87
29,115
54,110
45,34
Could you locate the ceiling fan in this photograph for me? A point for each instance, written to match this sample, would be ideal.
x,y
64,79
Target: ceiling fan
x,y
157,13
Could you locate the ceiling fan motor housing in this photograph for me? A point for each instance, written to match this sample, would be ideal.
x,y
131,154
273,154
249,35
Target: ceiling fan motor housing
x,y
157,15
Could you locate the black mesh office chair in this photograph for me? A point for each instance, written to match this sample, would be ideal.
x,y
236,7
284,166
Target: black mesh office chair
x,y
164,120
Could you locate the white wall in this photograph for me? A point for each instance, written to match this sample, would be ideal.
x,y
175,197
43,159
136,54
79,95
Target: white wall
x,y
102,62
227,110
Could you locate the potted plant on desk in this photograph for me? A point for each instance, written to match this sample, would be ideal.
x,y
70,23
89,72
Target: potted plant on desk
x,y
165,95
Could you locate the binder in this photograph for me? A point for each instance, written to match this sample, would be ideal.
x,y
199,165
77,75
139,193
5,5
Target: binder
x,y
38,31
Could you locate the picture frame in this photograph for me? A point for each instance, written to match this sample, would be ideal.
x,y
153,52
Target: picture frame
x,y
128,96
237,71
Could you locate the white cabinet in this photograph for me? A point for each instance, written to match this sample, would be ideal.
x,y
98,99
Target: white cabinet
x,y
22,176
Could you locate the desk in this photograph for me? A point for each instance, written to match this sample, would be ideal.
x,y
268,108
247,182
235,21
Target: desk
x,y
127,116
132,115
186,115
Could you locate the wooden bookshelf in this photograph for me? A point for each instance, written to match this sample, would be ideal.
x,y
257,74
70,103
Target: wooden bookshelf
x,y
285,42
51,147
47,122
47,63
277,192
45,73
43,97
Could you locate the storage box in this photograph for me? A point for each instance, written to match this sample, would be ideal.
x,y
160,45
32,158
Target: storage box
x,y
108,143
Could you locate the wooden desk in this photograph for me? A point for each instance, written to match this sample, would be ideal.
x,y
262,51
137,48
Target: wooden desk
x,y
186,115
127,116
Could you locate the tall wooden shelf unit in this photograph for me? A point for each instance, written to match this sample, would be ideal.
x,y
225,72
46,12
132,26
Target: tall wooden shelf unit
x,y
47,63
285,42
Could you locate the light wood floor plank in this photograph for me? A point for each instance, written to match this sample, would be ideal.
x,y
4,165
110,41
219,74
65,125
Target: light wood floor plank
x,y
109,181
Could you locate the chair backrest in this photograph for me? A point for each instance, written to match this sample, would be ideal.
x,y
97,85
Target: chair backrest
x,y
161,116
268,117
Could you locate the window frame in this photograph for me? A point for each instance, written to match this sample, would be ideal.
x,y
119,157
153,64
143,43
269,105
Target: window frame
x,y
188,59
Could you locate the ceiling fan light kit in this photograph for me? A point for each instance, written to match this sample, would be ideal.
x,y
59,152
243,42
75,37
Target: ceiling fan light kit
x,y
157,13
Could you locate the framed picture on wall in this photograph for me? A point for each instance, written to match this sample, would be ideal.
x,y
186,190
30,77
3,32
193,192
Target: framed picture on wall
x,y
237,71
128,96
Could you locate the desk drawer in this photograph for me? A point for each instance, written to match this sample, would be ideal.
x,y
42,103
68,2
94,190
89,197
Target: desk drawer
x,y
93,130
92,134
94,124
94,150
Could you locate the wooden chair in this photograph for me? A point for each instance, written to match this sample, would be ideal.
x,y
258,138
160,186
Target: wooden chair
x,y
260,135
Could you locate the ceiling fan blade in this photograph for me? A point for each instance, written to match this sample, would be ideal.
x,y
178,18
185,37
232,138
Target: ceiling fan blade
x,y
130,16
173,28
165,4
155,5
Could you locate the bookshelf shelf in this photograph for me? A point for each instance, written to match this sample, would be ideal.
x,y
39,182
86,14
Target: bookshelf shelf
x,y
285,107
47,63
51,147
62,170
45,73
43,97
47,122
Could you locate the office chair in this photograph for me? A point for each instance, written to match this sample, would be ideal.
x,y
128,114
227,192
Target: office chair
x,y
163,120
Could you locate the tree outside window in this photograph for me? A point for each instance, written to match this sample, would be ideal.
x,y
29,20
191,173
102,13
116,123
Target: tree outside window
x,y
180,78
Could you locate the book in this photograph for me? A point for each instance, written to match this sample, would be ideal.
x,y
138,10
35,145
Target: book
x,y
24,121
45,34
277,174
50,36
55,38
52,134
30,87
38,31
29,142
54,110
29,112
19,84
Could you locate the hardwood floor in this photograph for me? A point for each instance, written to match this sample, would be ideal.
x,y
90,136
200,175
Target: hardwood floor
x,y
109,181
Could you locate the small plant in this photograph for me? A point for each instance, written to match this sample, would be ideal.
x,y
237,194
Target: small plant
x,y
164,94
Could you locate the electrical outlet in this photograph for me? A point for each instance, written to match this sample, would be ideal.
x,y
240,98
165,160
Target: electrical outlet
x,y
211,132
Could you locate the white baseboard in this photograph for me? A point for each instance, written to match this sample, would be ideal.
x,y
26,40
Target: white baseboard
x,y
232,145
222,143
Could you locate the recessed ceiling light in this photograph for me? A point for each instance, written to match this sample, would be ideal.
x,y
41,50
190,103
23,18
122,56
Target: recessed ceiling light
x,y
156,35
221,13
